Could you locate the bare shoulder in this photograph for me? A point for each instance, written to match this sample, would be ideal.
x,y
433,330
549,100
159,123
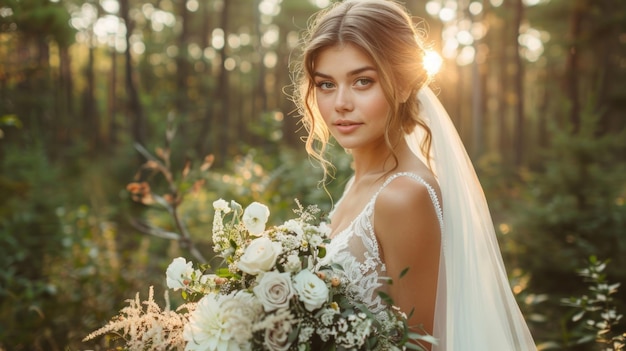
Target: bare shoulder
x,y
406,210
407,228
407,196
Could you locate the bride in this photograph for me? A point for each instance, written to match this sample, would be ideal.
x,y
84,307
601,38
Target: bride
x,y
413,222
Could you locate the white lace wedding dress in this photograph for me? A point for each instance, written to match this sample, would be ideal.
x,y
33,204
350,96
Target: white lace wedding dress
x,y
475,309
356,249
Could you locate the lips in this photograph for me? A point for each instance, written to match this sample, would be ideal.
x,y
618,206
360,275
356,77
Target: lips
x,y
345,127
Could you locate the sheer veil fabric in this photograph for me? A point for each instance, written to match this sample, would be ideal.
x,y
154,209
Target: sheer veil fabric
x,y
476,309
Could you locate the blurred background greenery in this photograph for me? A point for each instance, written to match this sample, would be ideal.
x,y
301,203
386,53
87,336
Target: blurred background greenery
x,y
537,89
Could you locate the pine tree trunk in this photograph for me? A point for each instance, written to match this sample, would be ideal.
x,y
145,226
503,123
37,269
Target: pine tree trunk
x,y
502,94
223,123
519,86
182,70
135,108
205,140
571,64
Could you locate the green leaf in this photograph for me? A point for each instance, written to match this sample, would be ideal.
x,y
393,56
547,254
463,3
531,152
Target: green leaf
x,y
404,271
388,300
322,252
578,316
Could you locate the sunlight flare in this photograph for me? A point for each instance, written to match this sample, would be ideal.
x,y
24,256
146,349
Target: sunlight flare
x,y
432,62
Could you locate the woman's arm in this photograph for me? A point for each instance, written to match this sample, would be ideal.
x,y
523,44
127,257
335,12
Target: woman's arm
x,y
408,230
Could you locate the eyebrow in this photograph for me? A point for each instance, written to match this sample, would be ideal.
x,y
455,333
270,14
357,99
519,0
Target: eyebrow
x,y
350,74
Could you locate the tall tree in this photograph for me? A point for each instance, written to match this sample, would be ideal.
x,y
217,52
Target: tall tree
x,y
112,101
89,108
579,8
135,109
182,63
222,123
518,83
202,142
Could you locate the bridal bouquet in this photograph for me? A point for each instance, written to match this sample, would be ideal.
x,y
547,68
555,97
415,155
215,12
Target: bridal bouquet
x,y
271,293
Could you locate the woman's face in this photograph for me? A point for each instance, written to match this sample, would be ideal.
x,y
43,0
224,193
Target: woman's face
x,y
350,97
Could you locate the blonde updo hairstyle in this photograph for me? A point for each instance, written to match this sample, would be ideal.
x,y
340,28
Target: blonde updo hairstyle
x,y
386,33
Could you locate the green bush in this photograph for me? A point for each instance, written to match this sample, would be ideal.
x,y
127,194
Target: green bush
x,y
570,209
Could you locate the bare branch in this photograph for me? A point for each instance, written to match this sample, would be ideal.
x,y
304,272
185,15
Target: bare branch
x,y
155,231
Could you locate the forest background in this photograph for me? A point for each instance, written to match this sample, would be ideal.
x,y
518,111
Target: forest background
x,y
97,94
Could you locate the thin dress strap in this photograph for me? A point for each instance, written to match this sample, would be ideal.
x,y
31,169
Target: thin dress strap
x,y
431,191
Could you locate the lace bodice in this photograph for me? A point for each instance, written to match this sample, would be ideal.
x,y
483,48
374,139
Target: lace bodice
x,y
357,250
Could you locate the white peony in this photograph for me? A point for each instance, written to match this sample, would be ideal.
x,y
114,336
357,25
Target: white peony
x,y
254,218
222,323
312,291
274,290
221,205
179,273
260,256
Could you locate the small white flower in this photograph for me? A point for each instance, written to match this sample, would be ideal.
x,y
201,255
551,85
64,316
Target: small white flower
x,y
306,332
274,290
327,316
260,256
254,217
206,283
342,325
294,227
315,240
289,242
179,273
221,205
324,229
312,291
293,263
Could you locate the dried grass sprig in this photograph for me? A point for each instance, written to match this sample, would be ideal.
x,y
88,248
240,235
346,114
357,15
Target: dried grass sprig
x,y
145,326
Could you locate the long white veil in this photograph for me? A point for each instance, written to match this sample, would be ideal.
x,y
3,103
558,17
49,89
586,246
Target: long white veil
x,y
476,309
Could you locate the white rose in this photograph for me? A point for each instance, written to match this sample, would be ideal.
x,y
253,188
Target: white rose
x,y
277,334
274,290
312,291
260,256
178,272
221,205
254,218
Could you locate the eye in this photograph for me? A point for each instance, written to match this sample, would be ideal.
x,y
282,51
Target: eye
x,y
363,82
325,85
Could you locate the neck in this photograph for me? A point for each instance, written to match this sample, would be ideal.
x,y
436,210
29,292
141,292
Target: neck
x,y
379,159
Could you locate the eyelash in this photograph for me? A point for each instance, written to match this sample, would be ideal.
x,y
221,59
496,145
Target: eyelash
x,y
321,84
363,81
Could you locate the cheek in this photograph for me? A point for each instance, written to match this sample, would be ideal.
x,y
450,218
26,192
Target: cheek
x,y
324,107
376,106
380,104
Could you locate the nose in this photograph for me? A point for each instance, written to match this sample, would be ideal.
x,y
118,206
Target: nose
x,y
344,100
